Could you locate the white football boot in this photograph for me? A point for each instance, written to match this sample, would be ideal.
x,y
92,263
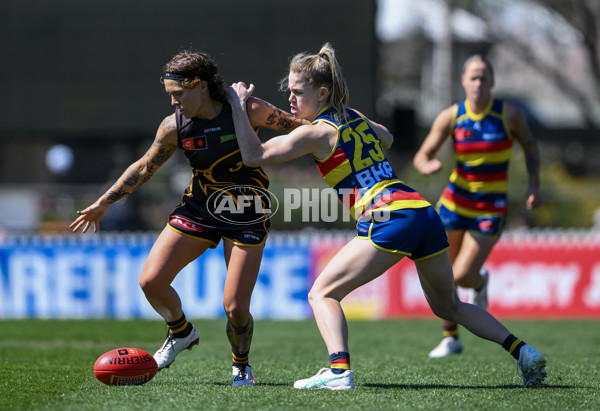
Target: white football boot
x,y
173,346
532,366
242,375
479,297
448,346
327,380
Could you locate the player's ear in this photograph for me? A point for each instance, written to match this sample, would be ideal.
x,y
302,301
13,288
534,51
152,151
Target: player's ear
x,y
200,84
323,93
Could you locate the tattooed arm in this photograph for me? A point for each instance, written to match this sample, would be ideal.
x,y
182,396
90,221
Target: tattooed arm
x,y
314,139
263,114
163,147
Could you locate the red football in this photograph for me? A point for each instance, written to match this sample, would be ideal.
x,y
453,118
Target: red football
x,y
125,366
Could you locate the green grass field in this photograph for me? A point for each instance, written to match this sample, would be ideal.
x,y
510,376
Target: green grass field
x,y
47,365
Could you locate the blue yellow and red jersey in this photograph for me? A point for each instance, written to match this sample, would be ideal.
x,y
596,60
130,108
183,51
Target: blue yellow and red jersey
x,y
483,146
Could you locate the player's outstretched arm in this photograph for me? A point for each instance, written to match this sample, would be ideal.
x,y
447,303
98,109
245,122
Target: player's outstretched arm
x,y
163,147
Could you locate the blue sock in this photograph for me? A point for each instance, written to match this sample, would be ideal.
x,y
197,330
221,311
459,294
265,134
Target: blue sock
x,y
340,362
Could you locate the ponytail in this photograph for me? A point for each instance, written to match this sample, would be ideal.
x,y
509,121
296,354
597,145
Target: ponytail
x,y
323,70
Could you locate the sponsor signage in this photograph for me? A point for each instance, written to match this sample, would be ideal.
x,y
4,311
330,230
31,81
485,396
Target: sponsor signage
x,y
528,279
98,278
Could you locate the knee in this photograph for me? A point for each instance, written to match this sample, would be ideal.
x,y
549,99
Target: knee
x,y
149,285
467,278
236,313
460,274
312,297
445,311
316,296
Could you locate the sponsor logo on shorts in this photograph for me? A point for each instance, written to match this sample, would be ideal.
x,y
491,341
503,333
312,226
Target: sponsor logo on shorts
x,y
251,235
487,226
182,222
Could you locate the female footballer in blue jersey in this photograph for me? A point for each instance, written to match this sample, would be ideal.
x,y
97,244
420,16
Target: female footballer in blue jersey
x,y
473,206
393,220
202,127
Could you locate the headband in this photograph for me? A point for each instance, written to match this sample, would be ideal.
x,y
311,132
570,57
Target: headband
x,y
174,76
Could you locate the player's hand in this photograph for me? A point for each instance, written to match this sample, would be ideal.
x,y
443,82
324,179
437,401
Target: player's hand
x,y
429,166
534,199
238,93
89,216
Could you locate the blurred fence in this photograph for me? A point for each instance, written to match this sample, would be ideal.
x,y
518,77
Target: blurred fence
x,y
534,274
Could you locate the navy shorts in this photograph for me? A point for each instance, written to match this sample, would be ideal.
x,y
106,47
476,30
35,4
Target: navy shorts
x,y
488,225
417,233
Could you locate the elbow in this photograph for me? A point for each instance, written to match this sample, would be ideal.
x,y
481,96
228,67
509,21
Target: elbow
x,y
252,161
387,140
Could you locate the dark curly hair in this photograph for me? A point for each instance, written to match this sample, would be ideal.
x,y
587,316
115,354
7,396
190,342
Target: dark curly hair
x,y
196,67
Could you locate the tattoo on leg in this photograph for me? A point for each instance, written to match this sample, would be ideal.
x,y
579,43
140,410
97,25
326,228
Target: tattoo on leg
x,y
240,337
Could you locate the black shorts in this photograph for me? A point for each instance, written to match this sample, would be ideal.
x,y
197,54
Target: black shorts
x,y
247,236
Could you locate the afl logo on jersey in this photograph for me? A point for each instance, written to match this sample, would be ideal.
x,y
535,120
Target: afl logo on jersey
x,y
242,205
194,143
461,133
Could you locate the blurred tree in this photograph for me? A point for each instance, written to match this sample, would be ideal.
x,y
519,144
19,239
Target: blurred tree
x,y
547,58
562,24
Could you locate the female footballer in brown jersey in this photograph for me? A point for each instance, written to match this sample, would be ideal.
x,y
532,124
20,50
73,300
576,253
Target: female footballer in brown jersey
x,y
202,126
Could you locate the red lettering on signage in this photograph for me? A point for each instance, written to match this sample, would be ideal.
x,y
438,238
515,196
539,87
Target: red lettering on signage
x,y
528,279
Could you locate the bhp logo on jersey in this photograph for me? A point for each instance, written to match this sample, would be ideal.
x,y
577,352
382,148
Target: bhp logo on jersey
x,y
242,205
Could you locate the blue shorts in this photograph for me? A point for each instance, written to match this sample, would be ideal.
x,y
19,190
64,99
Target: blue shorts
x,y
487,225
417,233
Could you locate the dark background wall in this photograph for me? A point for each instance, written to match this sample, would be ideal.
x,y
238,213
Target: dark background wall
x,y
86,73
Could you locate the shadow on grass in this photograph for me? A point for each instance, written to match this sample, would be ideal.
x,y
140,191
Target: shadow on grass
x,y
420,386
463,387
259,384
